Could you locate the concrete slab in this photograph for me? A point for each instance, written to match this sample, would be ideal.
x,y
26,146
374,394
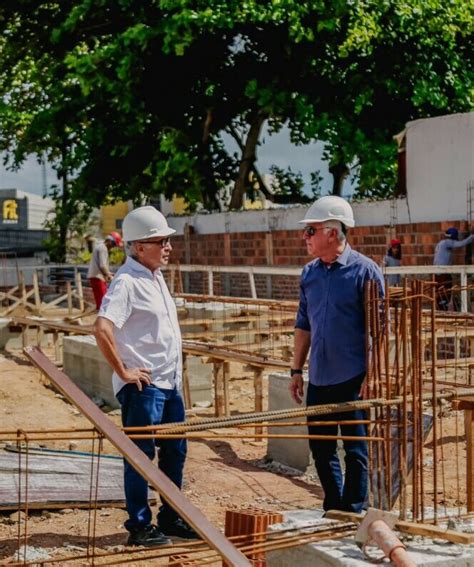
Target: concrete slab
x,y
295,452
346,553
86,366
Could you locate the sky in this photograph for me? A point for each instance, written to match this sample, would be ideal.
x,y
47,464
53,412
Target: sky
x,y
275,149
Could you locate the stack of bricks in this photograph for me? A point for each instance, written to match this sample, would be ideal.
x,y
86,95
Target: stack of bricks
x,y
253,524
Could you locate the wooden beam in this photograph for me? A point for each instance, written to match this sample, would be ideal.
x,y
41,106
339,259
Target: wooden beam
x,y
142,464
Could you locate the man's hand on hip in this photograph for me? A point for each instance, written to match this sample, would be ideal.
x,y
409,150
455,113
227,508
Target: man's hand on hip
x,y
296,388
137,376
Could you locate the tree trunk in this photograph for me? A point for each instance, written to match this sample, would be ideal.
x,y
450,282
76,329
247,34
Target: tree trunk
x,y
249,155
339,171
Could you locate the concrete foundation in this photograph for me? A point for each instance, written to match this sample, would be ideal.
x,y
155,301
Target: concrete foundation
x,y
13,339
85,365
346,553
295,452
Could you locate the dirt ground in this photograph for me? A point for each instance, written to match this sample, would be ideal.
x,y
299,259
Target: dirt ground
x,y
219,475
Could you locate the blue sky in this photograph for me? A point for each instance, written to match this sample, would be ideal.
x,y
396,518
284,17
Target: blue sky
x,y
276,149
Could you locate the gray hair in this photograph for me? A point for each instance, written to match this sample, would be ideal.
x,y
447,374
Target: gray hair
x,y
338,226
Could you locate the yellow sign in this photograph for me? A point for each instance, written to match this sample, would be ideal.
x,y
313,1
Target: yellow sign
x,y
10,212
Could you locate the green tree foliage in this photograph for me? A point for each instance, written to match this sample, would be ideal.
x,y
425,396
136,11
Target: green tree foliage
x,y
129,98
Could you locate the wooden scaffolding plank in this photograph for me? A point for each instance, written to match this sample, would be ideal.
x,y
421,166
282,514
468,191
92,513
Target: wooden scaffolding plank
x,y
158,480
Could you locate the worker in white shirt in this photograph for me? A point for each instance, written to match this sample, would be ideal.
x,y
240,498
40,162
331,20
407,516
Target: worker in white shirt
x,y
138,332
99,273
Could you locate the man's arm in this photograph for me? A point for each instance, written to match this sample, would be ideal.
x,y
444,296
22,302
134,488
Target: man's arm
x,y
461,243
104,334
302,342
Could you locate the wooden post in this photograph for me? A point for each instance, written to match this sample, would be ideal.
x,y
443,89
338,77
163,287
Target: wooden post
x,y
80,291
258,388
226,380
24,335
21,278
186,390
36,293
218,388
69,297
57,352
269,259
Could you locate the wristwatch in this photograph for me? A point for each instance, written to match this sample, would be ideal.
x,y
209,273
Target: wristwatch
x,y
295,371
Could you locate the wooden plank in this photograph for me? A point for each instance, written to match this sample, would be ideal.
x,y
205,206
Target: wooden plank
x,y
427,530
142,464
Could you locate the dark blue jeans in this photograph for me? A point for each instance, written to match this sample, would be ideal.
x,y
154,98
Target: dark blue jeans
x,y
351,494
151,406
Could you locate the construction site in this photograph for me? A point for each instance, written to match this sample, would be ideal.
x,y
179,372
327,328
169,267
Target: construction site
x,y
250,489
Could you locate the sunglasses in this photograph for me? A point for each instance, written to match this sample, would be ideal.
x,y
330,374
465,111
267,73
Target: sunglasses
x,y
311,231
163,243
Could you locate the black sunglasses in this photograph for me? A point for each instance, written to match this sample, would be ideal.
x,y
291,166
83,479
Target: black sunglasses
x,y
311,231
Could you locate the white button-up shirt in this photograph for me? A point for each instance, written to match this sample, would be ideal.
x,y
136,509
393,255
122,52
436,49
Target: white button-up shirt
x,y
146,331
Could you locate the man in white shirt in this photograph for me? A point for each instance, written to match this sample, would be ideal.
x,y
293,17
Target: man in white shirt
x,y
138,332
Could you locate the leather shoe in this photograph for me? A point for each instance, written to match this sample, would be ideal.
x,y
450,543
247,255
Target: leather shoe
x,y
148,536
179,528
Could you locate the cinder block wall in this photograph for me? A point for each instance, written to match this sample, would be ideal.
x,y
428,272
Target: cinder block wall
x,y
286,248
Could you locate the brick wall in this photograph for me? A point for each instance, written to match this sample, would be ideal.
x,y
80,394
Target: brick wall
x,y
286,247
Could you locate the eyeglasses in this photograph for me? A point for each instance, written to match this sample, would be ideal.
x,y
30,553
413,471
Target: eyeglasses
x,y
311,231
163,242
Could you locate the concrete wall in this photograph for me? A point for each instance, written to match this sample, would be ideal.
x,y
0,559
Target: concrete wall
x,y
86,366
295,452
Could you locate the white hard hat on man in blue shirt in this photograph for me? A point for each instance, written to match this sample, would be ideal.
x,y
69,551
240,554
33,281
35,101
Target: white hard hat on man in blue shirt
x,y
329,208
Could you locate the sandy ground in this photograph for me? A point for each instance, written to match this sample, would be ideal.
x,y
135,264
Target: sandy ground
x,y
220,474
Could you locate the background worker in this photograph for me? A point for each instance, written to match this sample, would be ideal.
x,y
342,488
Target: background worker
x,y
393,259
443,256
137,330
331,322
99,273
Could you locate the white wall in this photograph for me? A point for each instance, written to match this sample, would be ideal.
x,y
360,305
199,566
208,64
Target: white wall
x,y
366,213
440,164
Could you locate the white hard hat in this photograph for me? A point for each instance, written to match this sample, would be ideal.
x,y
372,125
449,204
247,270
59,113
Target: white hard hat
x,y
144,223
330,207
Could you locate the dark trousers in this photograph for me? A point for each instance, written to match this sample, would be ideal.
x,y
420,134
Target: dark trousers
x,y
151,406
349,494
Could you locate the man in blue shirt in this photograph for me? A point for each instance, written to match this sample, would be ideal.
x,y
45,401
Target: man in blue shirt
x,y
330,325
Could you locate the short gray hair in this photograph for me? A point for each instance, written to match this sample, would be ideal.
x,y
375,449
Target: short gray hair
x,y
338,226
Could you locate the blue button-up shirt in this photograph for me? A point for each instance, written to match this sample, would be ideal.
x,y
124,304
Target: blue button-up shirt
x,y
332,308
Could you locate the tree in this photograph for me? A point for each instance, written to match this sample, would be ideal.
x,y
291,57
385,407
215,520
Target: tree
x,y
138,94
